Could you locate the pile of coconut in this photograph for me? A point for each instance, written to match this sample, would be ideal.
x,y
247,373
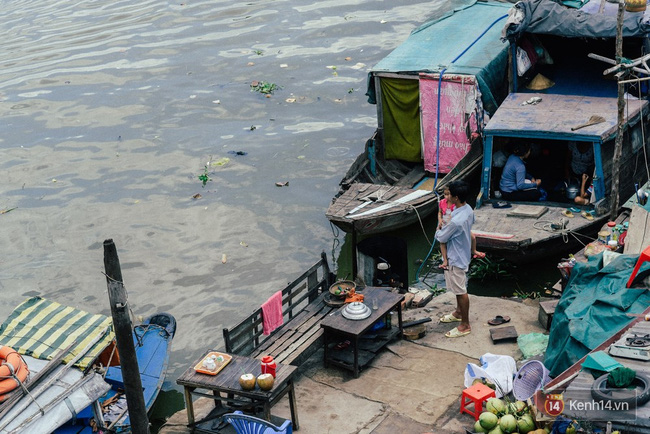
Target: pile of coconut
x,y
508,417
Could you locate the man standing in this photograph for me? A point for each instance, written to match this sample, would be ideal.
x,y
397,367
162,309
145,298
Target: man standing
x,y
458,236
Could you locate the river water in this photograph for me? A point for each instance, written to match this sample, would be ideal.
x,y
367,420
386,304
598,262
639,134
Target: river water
x,y
112,110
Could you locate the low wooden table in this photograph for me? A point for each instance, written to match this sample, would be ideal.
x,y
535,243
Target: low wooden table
x,y
363,345
224,387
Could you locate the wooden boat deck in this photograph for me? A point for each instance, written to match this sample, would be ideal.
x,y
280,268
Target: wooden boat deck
x,y
512,230
374,208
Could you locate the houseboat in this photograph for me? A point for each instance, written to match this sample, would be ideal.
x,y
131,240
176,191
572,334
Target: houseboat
x,y
564,100
434,94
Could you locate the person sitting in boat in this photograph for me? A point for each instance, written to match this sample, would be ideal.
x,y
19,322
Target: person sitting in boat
x,y
586,188
516,183
445,209
579,161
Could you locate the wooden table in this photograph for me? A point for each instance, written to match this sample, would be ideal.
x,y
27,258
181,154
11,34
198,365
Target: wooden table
x,y
363,345
225,388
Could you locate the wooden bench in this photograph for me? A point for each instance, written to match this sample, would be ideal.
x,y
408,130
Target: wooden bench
x,y
303,308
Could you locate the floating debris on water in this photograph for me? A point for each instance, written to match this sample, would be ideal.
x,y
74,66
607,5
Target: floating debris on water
x,y
221,162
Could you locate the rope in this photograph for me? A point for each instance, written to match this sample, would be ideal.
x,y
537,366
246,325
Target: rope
x,y
546,225
21,385
645,151
638,81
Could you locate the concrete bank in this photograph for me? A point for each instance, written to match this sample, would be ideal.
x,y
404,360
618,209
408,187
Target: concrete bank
x,y
410,387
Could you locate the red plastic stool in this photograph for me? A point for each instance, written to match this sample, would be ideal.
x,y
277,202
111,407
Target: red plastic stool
x,y
644,257
477,394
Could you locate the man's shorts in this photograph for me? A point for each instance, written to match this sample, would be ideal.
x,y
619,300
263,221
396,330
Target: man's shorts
x,y
456,280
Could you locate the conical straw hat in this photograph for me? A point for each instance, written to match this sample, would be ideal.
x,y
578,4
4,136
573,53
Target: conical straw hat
x,y
540,83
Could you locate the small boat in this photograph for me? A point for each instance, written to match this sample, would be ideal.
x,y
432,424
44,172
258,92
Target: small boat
x,y
61,346
551,111
417,148
152,341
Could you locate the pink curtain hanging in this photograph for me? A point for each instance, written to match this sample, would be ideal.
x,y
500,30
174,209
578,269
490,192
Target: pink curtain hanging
x,y
457,119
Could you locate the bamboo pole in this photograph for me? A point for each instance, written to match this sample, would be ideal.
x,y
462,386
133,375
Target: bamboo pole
x,y
618,147
41,411
124,337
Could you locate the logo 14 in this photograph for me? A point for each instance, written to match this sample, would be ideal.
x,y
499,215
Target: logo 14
x,y
554,404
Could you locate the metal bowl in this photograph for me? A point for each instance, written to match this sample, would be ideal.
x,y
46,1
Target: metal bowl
x,y
356,311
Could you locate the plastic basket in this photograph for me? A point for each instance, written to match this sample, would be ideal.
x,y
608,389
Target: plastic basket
x,y
531,377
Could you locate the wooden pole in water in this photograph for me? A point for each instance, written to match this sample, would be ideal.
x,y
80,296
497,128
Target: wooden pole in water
x,y
124,338
618,146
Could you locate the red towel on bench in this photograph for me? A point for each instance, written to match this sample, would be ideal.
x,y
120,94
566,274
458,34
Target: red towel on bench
x,y
272,313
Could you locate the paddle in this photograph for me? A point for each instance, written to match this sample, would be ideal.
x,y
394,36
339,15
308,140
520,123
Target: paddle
x,y
595,119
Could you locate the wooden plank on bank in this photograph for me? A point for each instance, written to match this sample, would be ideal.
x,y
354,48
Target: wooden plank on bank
x,y
638,232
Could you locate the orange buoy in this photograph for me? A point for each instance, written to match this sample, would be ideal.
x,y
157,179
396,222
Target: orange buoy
x,y
10,361
13,369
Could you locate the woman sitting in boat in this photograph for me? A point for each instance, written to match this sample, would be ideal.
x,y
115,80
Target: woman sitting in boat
x,y
579,168
579,161
516,183
586,189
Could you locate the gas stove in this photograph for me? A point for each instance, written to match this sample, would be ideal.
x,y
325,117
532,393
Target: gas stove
x,y
632,346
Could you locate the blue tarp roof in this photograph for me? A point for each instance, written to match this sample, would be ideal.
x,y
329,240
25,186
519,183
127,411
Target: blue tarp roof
x,y
433,46
551,18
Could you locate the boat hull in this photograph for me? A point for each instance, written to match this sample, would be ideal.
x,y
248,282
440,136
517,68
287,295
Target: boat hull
x,y
152,341
396,207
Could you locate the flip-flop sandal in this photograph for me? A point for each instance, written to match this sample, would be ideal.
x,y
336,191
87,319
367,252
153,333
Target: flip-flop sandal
x,y
501,204
342,345
449,318
455,333
567,213
574,209
478,255
587,215
498,320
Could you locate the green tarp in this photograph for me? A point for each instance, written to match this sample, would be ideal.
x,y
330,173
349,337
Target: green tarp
x,y
41,328
401,114
593,307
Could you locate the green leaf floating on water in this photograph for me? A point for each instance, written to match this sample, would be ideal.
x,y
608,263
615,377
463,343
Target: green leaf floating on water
x,y
264,87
